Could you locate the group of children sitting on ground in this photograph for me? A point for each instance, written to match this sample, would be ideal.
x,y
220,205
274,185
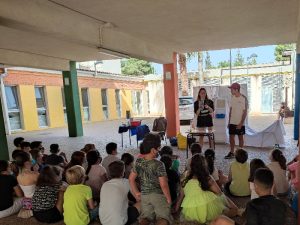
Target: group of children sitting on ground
x,y
123,190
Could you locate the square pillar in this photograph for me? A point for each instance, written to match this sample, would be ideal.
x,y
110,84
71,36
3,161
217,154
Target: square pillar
x,y
171,97
4,154
72,101
297,98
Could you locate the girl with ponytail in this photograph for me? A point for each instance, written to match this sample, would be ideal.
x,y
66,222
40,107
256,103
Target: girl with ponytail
x,y
218,175
278,167
96,173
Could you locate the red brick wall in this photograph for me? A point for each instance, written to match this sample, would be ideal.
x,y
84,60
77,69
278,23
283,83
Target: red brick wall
x,y
16,77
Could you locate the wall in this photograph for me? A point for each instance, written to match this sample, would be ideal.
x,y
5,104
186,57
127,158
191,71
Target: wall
x,y
26,80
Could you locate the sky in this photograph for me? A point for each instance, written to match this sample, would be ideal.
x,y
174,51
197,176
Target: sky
x,y
265,54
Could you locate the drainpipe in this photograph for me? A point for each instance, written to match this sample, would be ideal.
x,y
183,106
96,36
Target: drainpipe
x,y
4,103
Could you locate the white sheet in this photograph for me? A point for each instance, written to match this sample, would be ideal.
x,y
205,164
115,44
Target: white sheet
x,y
273,134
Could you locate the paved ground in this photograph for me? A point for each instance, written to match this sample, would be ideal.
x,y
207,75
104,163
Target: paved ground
x,y
103,132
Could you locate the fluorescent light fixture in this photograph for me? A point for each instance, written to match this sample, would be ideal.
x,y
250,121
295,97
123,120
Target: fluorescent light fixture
x,y
113,53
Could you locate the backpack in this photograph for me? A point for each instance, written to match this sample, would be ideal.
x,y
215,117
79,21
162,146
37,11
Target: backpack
x,y
160,124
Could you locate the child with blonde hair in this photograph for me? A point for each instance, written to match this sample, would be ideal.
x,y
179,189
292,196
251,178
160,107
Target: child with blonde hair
x,y
78,204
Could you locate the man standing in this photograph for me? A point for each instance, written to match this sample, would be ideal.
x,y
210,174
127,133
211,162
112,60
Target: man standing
x,y
237,116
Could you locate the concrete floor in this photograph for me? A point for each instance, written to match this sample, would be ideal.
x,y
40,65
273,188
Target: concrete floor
x,y
103,132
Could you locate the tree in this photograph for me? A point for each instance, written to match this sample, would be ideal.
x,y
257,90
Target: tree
x,y
239,60
279,51
224,64
208,64
136,67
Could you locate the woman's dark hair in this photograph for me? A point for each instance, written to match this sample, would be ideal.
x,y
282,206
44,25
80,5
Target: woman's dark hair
x,y
199,170
92,158
279,157
166,159
116,169
49,176
210,159
255,164
77,158
202,89
166,150
241,155
3,165
127,158
196,148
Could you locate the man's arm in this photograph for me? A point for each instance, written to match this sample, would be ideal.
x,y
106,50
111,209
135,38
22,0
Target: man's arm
x,y
134,190
244,114
163,181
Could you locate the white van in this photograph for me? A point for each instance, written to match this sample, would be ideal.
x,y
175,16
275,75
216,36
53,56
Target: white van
x,y
186,108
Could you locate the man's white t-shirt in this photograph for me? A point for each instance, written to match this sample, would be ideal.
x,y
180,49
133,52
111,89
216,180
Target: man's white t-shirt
x,y
238,105
114,202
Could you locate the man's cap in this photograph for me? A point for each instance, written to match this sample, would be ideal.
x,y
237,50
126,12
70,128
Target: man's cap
x,y
235,86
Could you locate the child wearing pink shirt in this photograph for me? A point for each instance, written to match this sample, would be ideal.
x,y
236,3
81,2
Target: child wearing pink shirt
x,y
293,168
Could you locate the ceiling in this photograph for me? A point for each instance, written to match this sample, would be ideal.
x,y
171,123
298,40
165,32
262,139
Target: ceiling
x,y
50,33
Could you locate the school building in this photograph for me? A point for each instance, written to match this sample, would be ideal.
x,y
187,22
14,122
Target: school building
x,y
34,98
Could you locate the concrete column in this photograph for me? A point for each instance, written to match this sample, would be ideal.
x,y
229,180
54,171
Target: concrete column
x,y
72,101
297,96
171,97
4,154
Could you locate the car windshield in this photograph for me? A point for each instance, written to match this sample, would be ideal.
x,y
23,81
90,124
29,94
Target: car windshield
x,y
185,101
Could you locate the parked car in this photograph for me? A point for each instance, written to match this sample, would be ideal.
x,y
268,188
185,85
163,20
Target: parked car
x,y
186,108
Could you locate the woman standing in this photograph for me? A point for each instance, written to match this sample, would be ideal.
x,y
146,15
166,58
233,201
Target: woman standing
x,y
203,109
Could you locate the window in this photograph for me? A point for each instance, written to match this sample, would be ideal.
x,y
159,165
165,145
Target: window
x,y
85,104
13,107
136,102
41,106
118,102
64,105
104,103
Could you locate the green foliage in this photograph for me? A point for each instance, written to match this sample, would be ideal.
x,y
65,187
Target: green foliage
x,y
136,67
224,64
252,61
208,64
280,49
239,60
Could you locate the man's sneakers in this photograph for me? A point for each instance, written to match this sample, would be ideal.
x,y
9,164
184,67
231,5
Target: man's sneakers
x,y
230,155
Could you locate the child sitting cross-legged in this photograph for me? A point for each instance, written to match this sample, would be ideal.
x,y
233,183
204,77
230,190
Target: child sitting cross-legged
x,y
8,187
201,198
78,204
155,195
266,209
114,198
238,184
47,200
